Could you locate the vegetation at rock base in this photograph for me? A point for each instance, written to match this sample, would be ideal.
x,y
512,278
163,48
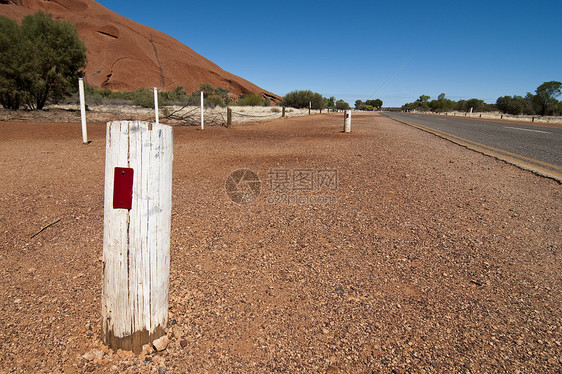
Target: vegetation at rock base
x,y
145,97
252,100
40,61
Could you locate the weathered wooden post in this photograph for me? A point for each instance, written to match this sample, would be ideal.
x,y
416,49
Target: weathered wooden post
x,y
136,240
156,105
309,107
228,117
347,121
283,113
83,110
202,124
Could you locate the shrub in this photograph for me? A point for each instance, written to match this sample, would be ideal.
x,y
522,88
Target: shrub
x,y
302,99
214,100
250,100
143,97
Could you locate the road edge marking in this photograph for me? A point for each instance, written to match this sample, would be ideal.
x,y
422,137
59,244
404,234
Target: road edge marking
x,y
507,156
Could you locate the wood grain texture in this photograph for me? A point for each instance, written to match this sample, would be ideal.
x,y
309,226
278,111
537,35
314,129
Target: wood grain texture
x,y
136,245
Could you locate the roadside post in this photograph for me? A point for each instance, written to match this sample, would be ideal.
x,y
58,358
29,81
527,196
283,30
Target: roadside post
x,y
136,239
83,110
202,124
228,117
156,105
347,121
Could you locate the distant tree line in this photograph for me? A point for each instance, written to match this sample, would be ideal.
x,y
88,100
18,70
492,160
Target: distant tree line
x,y
544,102
305,98
369,105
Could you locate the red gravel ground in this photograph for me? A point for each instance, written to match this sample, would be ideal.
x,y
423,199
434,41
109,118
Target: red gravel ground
x,y
427,257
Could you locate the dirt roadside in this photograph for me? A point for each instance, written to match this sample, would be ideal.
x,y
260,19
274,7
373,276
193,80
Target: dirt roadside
x,y
425,256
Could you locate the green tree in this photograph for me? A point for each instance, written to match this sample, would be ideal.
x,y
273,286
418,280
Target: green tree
x,y
304,98
514,105
423,99
12,61
342,105
56,57
358,104
330,103
545,98
376,104
475,104
442,104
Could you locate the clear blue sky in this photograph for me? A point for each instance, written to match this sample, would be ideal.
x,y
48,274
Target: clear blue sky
x,y
393,50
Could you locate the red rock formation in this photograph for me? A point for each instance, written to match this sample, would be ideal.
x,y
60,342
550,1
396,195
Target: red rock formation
x,y
124,55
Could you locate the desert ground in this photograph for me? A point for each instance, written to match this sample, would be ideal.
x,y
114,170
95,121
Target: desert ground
x,y
423,256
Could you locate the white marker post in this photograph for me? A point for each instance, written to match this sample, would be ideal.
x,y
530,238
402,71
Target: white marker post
x,y
347,121
136,237
202,125
156,105
83,110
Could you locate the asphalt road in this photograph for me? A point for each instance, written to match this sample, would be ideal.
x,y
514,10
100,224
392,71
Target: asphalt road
x,y
533,147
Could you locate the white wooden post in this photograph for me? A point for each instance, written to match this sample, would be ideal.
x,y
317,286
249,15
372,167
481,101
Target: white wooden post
x,y
347,121
83,110
136,241
156,104
202,125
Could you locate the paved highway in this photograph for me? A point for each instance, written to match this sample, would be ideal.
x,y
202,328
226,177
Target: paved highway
x,y
533,147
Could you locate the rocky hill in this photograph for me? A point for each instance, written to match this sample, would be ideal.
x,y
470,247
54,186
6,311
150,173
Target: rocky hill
x,y
124,55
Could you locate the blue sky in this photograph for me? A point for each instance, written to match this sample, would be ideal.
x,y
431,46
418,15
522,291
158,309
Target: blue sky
x,y
394,50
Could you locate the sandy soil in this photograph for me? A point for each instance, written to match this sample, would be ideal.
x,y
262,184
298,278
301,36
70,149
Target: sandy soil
x,y
426,257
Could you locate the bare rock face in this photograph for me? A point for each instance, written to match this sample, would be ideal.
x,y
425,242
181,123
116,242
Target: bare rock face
x,y
124,55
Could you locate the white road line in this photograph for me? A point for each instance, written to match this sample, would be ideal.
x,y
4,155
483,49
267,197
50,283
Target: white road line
x,y
518,128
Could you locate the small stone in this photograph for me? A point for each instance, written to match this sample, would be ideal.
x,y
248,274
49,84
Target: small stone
x,y
17,301
161,343
94,354
125,355
161,370
159,360
176,332
147,349
31,270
